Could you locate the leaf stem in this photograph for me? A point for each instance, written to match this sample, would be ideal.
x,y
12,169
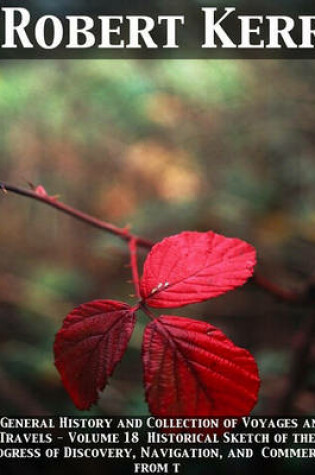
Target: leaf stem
x,y
132,244
148,312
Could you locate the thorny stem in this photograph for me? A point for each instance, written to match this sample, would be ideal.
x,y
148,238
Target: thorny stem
x,y
132,244
123,233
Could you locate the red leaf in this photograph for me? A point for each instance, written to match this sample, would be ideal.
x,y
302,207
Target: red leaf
x,y
191,267
192,369
90,343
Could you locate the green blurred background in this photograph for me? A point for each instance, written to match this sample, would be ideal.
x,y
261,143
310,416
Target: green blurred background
x,y
162,146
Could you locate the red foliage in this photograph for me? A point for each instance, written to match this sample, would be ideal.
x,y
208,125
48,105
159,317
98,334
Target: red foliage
x,y
92,340
191,267
192,369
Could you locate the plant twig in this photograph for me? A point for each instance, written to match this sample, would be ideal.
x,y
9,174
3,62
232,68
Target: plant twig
x,y
303,341
290,296
123,233
134,265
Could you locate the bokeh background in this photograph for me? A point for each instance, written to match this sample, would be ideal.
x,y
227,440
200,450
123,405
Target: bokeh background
x,y
161,146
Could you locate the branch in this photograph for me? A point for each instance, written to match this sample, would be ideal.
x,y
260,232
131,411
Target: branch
x,y
291,296
123,233
39,194
302,347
